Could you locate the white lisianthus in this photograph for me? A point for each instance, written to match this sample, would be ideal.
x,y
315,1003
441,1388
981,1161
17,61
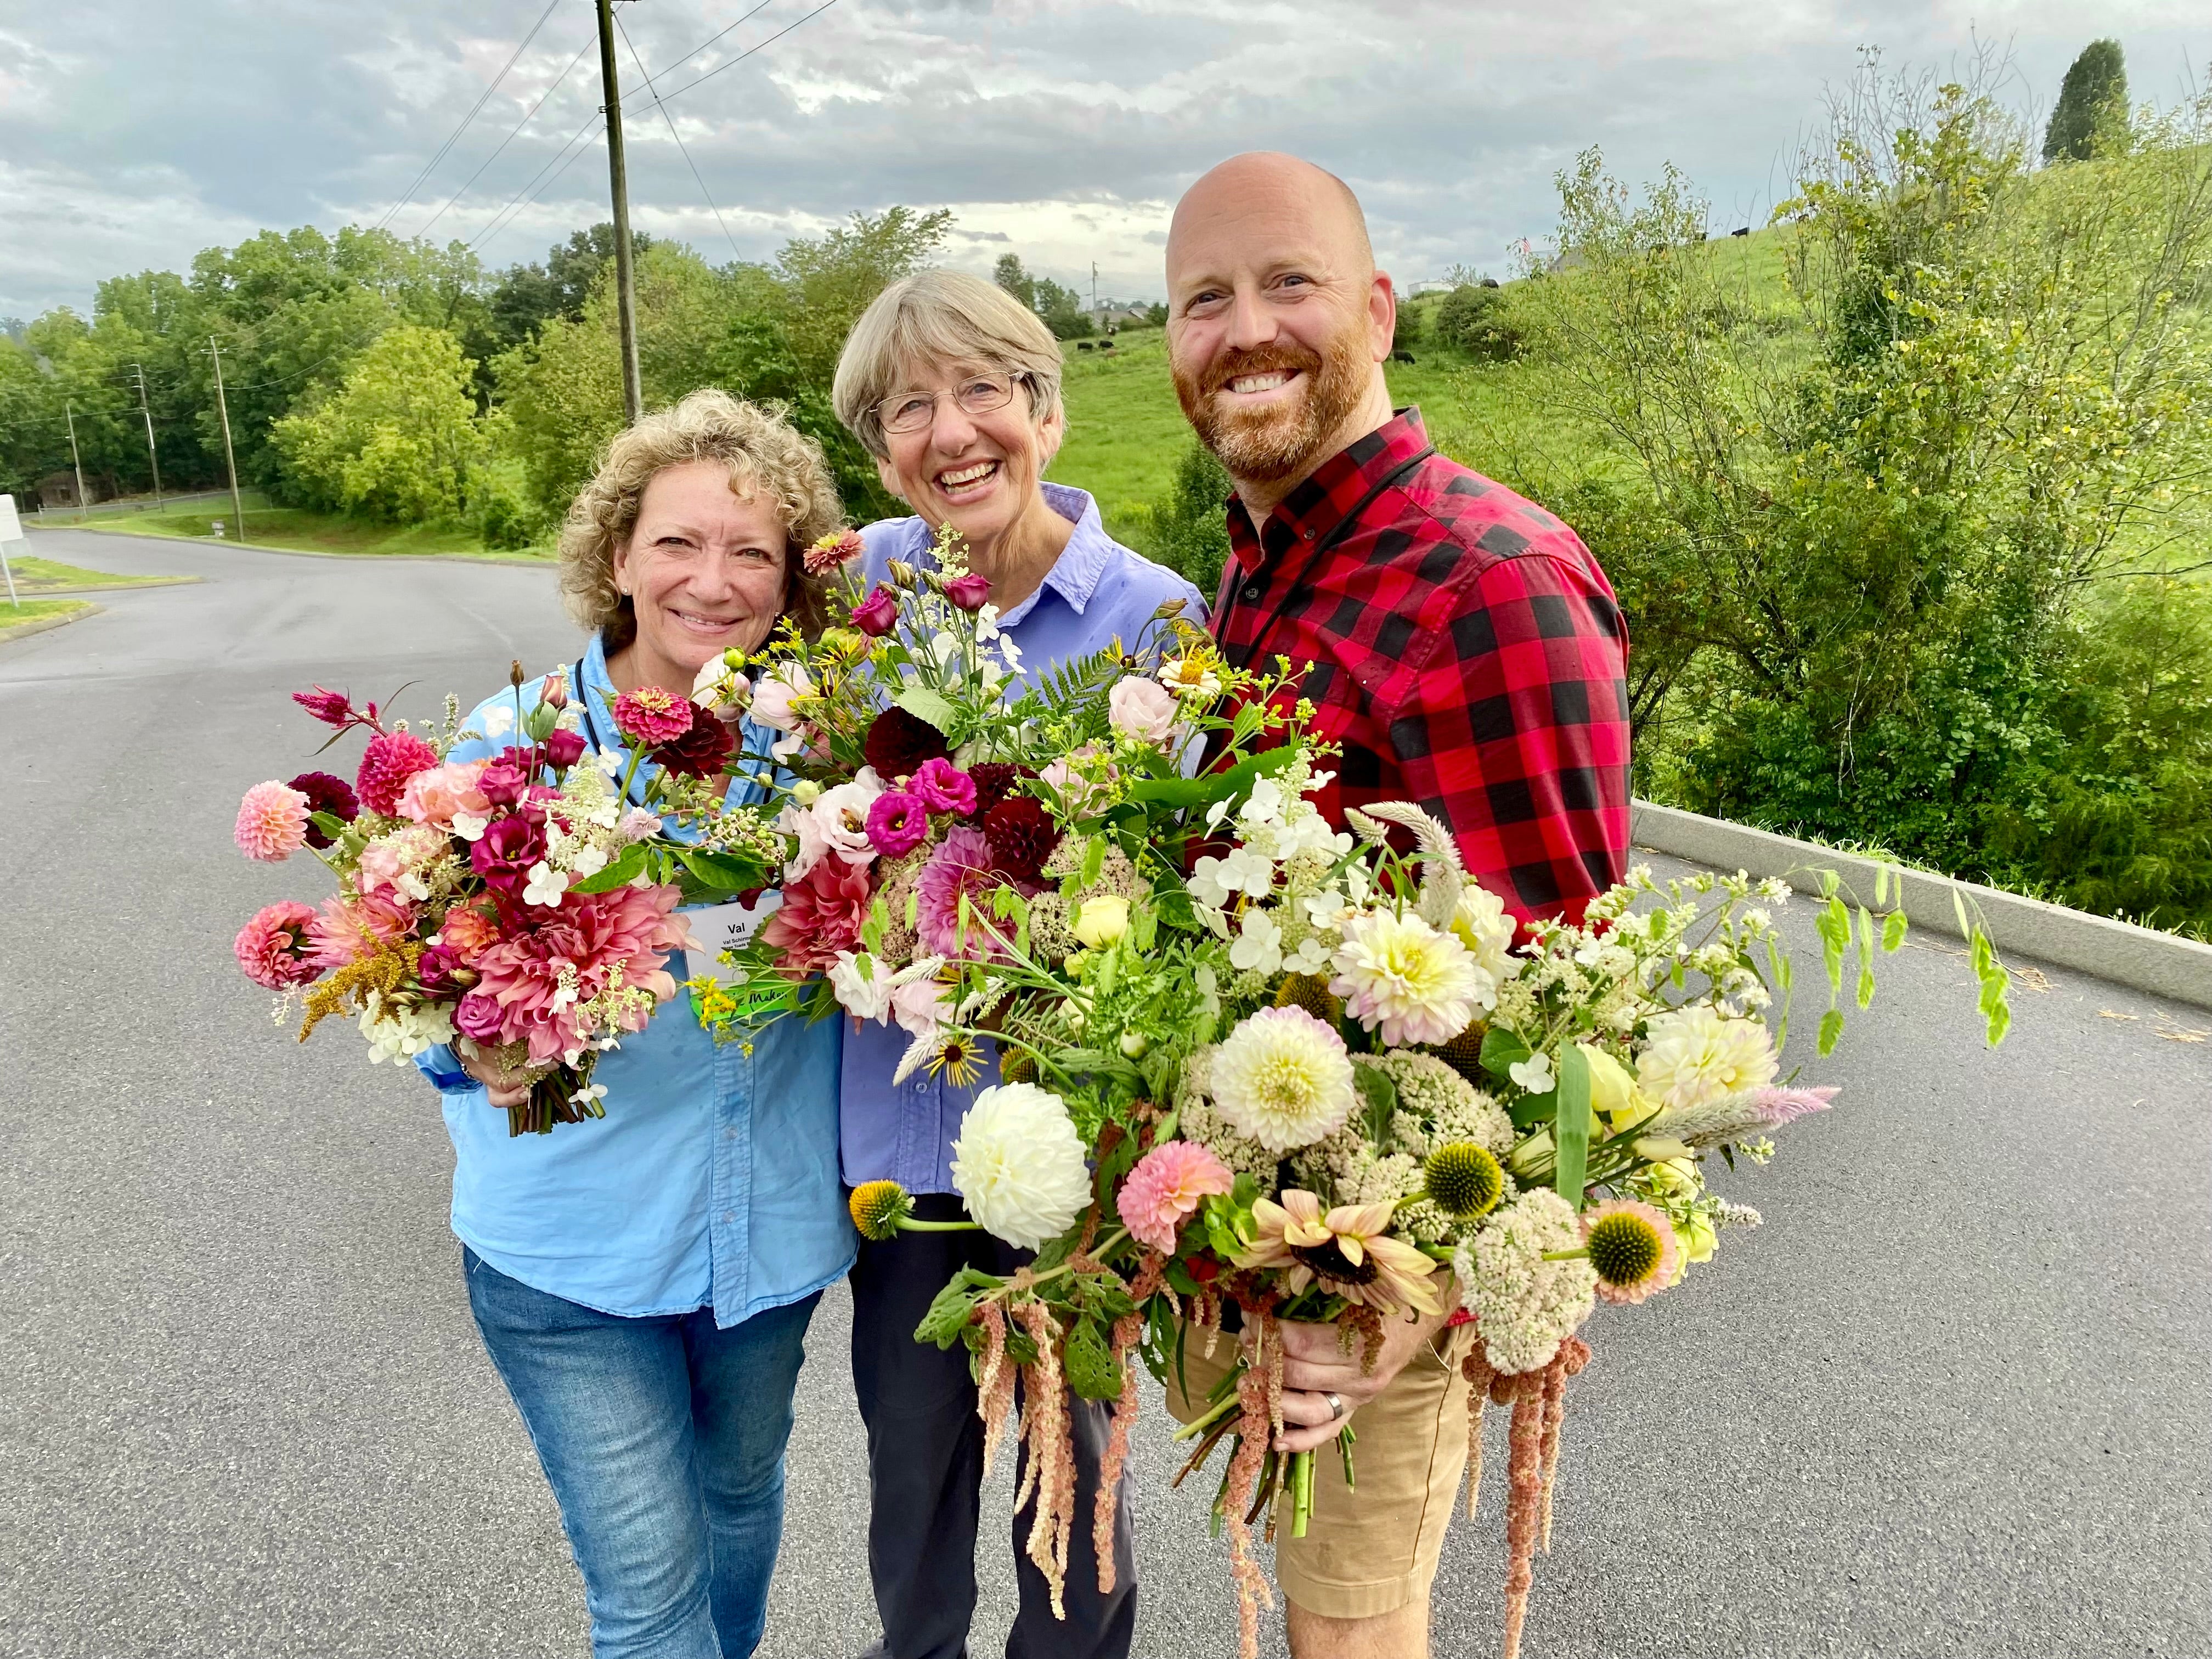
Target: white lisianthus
x,y
1283,1078
1694,1054
1398,973
1259,950
1017,1165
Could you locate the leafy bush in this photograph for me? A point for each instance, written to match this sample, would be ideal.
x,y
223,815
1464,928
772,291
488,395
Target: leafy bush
x,y
399,440
500,510
1471,319
1190,528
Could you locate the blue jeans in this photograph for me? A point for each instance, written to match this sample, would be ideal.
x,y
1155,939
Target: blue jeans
x,y
663,1438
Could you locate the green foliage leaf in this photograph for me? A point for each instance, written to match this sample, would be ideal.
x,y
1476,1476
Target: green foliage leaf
x,y
950,1311
1501,1050
1089,1362
1831,1028
625,867
1571,1123
1378,1097
1892,931
924,704
1866,956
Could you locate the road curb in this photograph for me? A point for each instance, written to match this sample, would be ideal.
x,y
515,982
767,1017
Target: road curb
x,y
2143,959
114,587
44,624
306,552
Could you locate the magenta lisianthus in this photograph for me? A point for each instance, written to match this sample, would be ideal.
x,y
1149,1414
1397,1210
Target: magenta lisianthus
x,y
505,779
650,715
563,749
392,758
898,822
502,855
273,947
943,787
478,1017
272,822
1165,1189
878,614
969,593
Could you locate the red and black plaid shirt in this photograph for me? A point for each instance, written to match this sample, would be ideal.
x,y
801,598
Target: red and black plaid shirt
x,y
1468,655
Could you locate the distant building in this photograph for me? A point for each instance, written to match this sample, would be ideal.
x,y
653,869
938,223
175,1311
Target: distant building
x,y
59,490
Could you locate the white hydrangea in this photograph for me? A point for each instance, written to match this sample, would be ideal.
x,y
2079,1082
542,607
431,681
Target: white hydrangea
x,y
1017,1164
1525,1306
397,1031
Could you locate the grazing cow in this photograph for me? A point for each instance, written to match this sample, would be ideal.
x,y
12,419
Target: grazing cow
x,y
1746,231
1401,356
1083,345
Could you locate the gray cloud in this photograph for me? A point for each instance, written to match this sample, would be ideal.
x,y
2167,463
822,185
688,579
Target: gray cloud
x,y
134,132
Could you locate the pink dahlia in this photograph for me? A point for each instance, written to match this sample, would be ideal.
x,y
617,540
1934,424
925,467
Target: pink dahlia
x,y
1165,1187
629,932
1633,1248
961,867
823,914
272,947
650,715
439,793
897,824
349,929
392,758
272,822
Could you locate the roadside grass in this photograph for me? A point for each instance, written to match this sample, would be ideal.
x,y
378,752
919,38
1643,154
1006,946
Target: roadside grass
x,y
296,530
35,575
13,618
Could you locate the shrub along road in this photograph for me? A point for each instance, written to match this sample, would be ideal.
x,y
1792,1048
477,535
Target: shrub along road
x,y
1949,1401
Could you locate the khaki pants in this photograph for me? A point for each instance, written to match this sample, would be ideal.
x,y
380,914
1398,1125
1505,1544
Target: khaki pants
x,y
1375,1549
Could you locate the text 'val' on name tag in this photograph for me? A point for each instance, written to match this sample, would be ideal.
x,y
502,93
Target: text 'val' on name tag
x,y
720,927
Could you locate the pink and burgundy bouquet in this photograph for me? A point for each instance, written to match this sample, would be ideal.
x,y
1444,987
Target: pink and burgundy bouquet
x,y
516,906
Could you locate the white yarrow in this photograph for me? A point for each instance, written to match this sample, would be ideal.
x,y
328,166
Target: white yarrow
x,y
1018,1166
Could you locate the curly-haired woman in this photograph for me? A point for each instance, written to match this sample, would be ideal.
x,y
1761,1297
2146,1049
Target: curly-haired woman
x,y
643,1281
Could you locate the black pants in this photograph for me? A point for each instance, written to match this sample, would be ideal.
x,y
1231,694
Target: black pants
x,y
926,1469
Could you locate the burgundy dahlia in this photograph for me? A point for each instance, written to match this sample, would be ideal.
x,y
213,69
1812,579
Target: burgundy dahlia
x,y
993,779
1021,836
392,758
899,742
700,752
328,795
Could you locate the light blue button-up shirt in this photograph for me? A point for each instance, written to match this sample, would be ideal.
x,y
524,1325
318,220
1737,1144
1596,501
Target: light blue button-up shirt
x,y
1098,592
712,1181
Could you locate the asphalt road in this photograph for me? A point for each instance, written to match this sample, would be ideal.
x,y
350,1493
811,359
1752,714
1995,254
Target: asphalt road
x,y
1949,1401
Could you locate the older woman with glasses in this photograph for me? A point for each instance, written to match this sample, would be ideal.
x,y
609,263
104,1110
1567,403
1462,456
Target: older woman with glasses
x,y
954,387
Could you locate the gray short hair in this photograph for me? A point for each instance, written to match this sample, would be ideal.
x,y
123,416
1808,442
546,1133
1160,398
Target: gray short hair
x,y
933,318
761,451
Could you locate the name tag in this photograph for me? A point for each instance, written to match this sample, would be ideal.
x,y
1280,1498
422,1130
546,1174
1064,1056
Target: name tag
x,y
719,928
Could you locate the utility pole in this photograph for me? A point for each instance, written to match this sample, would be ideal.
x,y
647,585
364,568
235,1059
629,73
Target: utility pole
x,y
223,407
1101,321
70,410
625,278
153,460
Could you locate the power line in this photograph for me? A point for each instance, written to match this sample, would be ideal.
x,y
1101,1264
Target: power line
x,y
566,154
551,88
452,138
749,51
686,57
684,148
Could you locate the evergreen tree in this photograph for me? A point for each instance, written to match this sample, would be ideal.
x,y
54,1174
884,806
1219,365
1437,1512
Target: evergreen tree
x,y
2092,100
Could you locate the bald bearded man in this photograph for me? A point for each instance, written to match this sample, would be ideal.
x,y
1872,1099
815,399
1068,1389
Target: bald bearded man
x,y
1468,655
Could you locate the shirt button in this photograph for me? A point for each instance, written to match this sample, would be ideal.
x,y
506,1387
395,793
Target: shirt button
x,y
1307,534
729,1216
1252,591
730,1133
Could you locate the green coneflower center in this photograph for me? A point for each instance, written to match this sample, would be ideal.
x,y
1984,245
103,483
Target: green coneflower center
x,y
1625,1249
876,1207
1310,992
1330,1261
1464,1180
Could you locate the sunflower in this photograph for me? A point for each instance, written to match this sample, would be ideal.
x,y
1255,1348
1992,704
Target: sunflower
x,y
1348,1250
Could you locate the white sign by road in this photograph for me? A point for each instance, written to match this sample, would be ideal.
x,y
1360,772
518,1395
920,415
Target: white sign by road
x,y
11,530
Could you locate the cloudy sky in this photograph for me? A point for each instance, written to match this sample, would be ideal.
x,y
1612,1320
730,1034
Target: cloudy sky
x,y
135,132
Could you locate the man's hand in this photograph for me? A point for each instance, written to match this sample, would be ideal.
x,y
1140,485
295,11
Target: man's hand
x,y
1316,1365
506,1088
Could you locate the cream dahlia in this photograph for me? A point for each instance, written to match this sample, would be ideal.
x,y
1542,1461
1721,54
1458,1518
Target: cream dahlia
x,y
1694,1054
1397,972
1017,1165
1283,1078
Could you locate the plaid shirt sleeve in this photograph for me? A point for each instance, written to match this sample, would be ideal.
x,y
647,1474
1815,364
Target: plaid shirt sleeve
x,y
1512,727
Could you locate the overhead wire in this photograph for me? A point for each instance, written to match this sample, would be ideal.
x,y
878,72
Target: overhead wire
x,y
684,148
527,196
551,87
453,137
747,52
686,57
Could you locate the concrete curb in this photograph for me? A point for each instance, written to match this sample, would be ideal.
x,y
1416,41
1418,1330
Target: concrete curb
x,y
113,588
2165,965
309,552
24,630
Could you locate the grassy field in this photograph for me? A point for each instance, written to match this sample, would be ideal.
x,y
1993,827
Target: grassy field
x,y
49,576
296,530
13,617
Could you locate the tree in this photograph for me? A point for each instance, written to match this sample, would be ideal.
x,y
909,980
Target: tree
x,y
1471,319
1062,311
399,440
526,297
1191,525
1010,276
2093,104
1407,332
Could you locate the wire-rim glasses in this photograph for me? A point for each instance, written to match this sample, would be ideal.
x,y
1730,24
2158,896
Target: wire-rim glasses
x,y
978,394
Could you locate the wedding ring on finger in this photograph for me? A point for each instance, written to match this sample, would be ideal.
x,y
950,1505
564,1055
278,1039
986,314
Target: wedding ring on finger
x,y
1335,1406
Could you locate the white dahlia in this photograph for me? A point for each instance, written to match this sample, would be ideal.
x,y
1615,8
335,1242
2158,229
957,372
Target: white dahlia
x,y
1017,1165
1397,972
1282,1078
1694,1054
1523,1306
1481,924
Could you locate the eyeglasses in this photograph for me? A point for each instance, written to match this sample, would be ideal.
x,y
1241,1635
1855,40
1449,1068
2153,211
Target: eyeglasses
x,y
980,394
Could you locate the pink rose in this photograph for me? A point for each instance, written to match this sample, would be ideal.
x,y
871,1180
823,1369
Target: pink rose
x,y
878,614
1141,709
436,795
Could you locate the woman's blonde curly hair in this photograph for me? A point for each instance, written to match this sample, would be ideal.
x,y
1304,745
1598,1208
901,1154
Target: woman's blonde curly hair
x,y
762,452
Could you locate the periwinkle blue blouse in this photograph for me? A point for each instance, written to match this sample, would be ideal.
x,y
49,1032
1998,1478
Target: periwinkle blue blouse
x,y
1098,592
712,1181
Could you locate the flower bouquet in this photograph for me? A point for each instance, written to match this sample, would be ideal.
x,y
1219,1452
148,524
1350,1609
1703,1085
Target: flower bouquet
x,y
1254,1068
518,904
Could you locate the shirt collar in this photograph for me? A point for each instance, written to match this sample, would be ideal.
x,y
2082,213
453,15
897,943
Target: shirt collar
x,y
1082,563
1319,504
599,692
